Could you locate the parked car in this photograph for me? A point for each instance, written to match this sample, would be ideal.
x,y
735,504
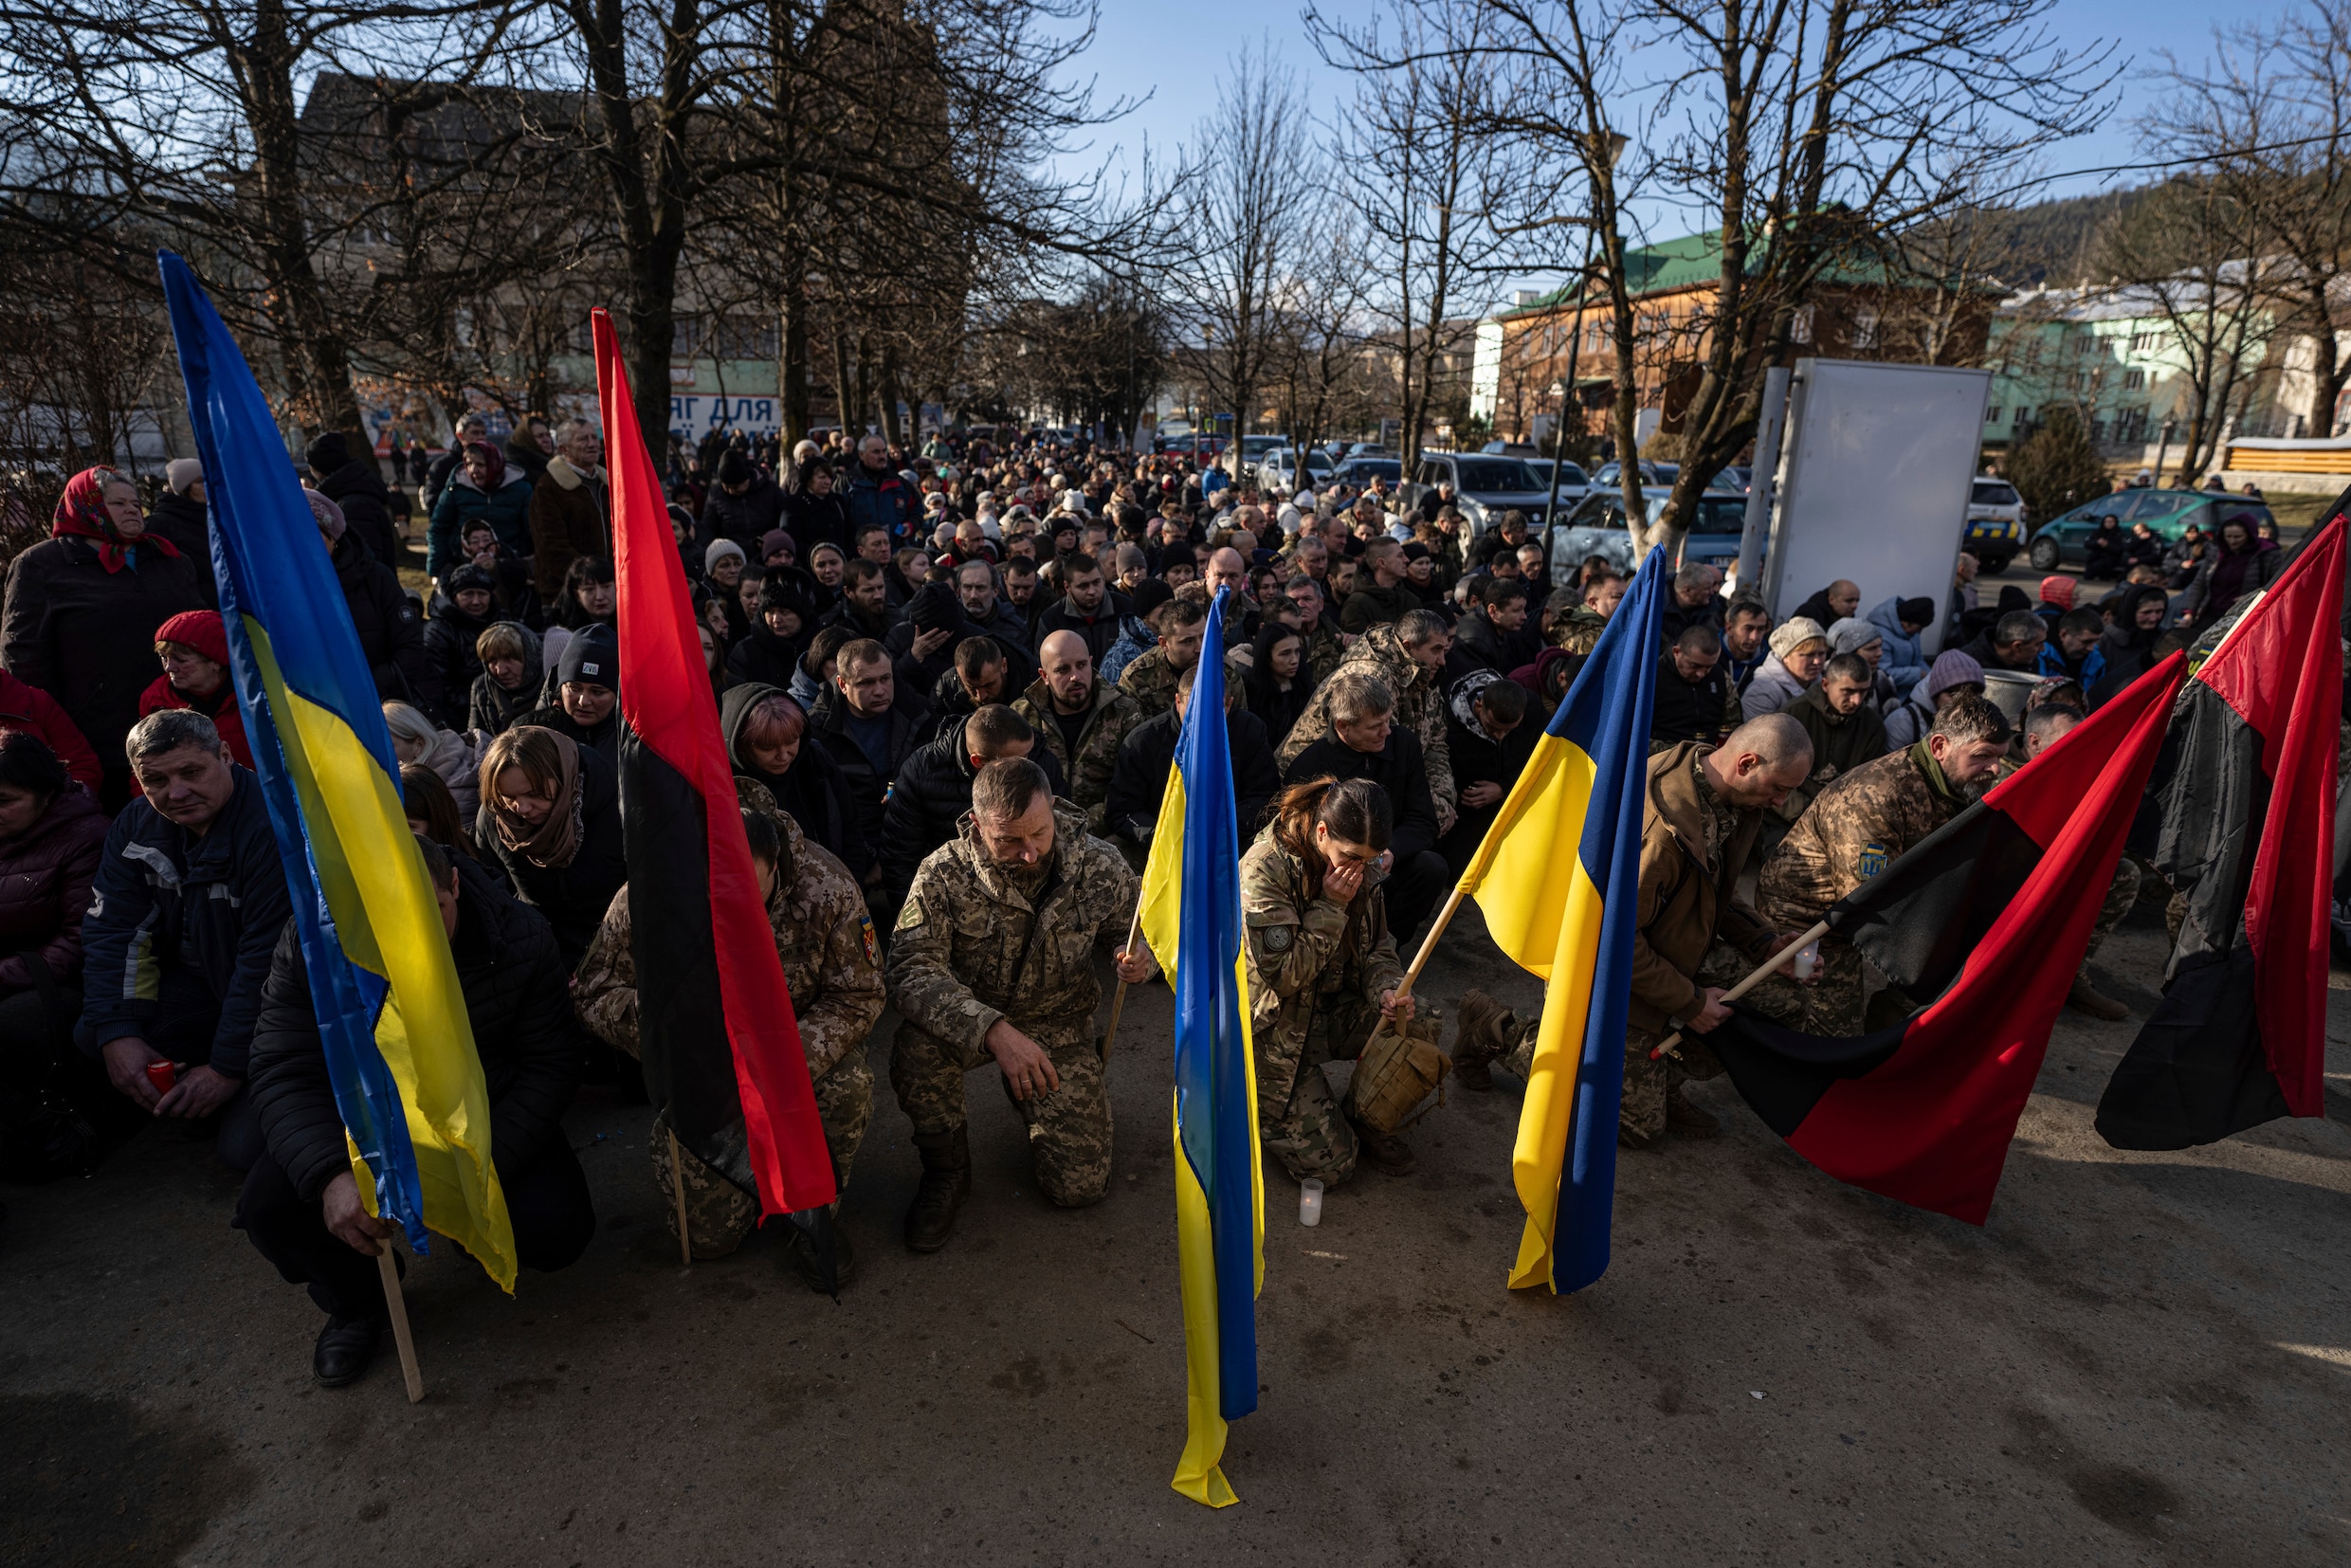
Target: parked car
x,y
1278,469
1996,523
1509,448
1597,527
1497,484
1574,482
1356,472
2059,543
1612,474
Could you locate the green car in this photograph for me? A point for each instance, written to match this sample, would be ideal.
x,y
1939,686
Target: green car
x,y
2167,513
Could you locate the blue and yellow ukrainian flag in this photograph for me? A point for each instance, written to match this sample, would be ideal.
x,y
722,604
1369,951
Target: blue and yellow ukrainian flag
x,y
392,1018
1192,919
1557,879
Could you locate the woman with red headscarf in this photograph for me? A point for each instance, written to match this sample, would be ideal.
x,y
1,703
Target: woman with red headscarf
x,y
82,610
483,488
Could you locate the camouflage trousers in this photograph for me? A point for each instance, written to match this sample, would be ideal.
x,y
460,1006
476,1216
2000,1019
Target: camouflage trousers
x,y
720,1214
1833,1007
1647,1082
2120,894
1069,1127
1312,1130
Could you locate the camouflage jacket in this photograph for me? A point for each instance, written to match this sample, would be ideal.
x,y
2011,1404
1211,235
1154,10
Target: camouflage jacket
x,y
970,948
1150,682
1853,830
1113,716
1304,950
822,934
1380,652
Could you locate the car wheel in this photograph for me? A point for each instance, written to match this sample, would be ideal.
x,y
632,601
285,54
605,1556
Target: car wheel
x,y
2044,556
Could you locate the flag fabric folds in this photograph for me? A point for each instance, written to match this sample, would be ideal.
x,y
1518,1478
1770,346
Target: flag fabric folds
x,y
1557,879
722,1046
1192,919
2243,824
1997,906
392,1018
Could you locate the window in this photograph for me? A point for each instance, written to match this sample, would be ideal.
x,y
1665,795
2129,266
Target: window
x,y
1865,329
1801,329
1992,415
2133,380
2023,416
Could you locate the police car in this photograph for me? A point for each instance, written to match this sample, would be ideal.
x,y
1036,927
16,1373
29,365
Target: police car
x,y
1996,523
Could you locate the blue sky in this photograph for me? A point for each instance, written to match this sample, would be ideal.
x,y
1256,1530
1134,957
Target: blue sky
x,y
1175,54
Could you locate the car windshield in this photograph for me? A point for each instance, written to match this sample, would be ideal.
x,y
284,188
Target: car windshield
x,y
1363,469
1990,494
1493,473
1716,514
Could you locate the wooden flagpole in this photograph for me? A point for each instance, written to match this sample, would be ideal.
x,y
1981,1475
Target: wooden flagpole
x,y
1775,961
397,1306
1118,997
677,1190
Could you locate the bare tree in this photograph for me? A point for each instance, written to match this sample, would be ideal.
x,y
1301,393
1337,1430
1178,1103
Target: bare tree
x,y
1258,174
2268,119
2187,255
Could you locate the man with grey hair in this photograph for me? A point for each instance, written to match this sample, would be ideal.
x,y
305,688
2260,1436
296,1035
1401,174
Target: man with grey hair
x,y
993,963
571,509
1704,808
1696,601
2013,642
185,911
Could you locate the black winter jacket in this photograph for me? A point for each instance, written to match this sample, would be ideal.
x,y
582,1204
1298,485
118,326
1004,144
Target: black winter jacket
x,y
1398,768
210,906
392,634
359,490
87,636
453,664
812,790
928,798
574,898
1139,780
1098,633
517,1000
868,785
183,522
743,517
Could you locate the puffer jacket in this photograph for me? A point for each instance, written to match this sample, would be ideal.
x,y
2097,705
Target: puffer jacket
x,y
211,905
508,510
517,1000
929,796
30,708
1904,659
46,874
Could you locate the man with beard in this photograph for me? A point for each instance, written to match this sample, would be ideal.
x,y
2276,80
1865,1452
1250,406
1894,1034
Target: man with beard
x,y
993,962
1087,608
1856,828
1083,721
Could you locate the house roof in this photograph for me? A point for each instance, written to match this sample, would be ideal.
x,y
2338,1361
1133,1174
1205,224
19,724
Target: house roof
x,y
1695,260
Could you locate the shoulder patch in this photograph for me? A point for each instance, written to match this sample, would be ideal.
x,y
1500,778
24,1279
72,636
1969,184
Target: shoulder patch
x,y
1278,938
864,926
1873,858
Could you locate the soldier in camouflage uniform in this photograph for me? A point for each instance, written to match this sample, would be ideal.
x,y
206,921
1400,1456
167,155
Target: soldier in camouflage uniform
x,y
1151,679
1694,936
827,944
1323,971
2042,728
1067,688
1853,830
992,963
1407,656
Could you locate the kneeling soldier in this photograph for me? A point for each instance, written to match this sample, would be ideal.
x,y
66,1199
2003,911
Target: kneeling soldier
x,y
993,962
1323,974
825,943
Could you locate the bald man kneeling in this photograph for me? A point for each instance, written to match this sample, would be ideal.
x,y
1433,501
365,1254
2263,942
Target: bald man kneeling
x,y
1704,808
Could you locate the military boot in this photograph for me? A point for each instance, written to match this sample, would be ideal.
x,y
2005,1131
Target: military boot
x,y
1385,1150
2085,997
1482,1028
1688,1119
946,1182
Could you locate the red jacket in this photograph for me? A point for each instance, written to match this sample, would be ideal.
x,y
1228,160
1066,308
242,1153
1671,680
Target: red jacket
x,y
28,707
228,717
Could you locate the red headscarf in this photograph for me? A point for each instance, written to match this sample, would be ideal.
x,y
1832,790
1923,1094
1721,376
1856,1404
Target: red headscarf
x,y
82,512
497,461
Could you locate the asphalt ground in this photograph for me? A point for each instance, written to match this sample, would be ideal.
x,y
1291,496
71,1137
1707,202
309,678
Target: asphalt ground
x,y
2140,1358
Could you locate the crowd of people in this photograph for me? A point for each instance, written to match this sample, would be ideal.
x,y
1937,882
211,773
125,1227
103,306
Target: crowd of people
x,y
951,680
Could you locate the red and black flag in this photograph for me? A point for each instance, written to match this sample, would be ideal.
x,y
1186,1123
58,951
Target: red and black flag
x,y
1989,915
2241,824
722,1053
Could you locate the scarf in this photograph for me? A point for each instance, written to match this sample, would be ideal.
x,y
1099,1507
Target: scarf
x,y
82,512
554,842
1931,771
